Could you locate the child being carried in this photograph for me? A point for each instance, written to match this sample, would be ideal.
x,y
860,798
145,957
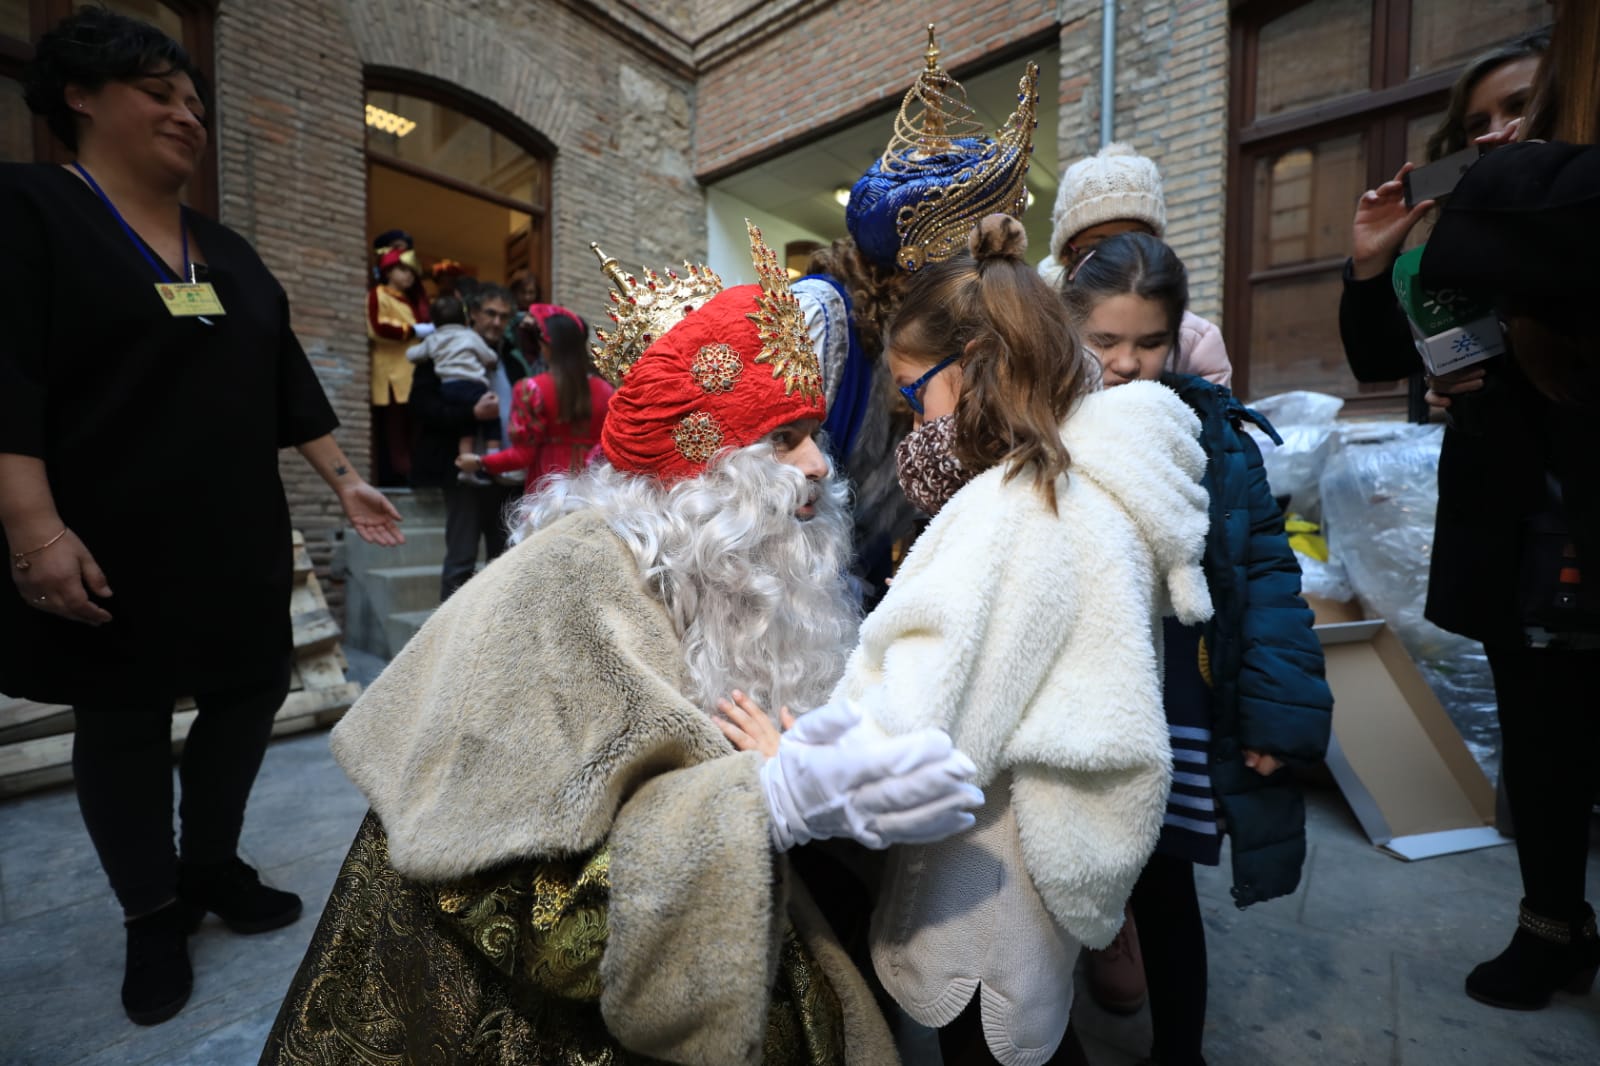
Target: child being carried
x,y
463,360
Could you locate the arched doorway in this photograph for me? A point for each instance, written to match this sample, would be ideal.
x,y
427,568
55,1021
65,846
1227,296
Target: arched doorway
x,y
464,177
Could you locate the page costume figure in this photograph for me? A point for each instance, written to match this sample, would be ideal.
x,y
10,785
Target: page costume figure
x,y
565,861
938,176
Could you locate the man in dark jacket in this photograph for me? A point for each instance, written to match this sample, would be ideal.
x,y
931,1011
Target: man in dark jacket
x,y
473,512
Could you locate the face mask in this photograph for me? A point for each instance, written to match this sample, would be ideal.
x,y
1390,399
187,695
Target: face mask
x,y
929,472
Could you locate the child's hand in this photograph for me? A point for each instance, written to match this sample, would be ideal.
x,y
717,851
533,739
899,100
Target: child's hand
x,y
469,462
747,725
1262,763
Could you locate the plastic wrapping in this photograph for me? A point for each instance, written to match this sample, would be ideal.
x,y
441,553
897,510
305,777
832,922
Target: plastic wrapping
x,y
1379,491
1308,424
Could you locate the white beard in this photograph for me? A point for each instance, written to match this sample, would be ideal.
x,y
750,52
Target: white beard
x,y
759,598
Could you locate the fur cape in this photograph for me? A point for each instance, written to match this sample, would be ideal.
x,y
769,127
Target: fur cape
x,y
539,713
1033,638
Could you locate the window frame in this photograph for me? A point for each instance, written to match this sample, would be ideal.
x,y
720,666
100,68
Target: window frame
x,y
199,18
498,119
1380,115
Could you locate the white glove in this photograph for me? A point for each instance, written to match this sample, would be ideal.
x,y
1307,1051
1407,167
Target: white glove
x,y
834,777
423,329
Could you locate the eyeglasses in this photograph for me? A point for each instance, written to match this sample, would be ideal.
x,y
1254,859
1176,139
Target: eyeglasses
x,y
911,391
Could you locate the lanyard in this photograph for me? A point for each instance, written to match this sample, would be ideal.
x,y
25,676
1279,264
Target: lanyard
x,y
155,264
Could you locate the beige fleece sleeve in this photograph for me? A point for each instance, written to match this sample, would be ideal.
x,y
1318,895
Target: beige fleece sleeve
x,y
696,916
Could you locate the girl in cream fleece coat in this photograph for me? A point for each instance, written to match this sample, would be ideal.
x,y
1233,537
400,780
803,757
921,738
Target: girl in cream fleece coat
x,y
1026,622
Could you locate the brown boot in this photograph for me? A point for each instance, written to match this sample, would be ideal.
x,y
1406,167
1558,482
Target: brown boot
x,y
1116,974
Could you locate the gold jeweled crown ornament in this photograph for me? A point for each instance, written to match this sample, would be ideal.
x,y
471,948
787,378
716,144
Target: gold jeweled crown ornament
x,y
781,324
644,310
940,174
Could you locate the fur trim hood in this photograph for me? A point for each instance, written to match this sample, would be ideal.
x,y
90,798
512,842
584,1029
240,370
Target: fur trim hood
x,y
1139,442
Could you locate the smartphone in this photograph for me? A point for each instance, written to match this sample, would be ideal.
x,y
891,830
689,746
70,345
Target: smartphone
x,y
1438,179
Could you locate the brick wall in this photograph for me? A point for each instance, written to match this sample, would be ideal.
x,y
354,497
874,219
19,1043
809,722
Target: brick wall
x,y
1171,105
838,61
293,180
293,171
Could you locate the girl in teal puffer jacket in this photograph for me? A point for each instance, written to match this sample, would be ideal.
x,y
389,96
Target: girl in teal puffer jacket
x,y
1244,692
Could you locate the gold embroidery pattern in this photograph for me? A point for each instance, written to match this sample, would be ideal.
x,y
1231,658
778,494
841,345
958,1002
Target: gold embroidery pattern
x,y
496,970
716,368
781,324
933,121
697,437
645,310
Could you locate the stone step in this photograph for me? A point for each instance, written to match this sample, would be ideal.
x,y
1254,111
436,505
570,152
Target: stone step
x,y
424,546
402,626
371,596
418,506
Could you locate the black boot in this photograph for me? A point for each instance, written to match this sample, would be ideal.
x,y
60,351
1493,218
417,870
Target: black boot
x,y
233,892
157,979
1544,955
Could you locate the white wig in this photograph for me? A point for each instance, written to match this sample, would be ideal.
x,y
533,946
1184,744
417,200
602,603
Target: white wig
x,y
760,599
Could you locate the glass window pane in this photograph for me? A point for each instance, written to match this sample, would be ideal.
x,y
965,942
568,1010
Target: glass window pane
x,y
16,124
154,12
1304,200
447,142
1294,336
14,20
1418,130
1317,52
1445,33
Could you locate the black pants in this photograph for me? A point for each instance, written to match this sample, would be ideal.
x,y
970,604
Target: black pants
x,y
1549,709
1172,939
122,761
471,513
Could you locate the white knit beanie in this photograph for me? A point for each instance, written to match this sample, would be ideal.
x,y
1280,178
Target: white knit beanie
x,y
1114,183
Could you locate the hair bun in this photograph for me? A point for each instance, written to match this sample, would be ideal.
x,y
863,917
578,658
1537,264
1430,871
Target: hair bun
x,y
998,236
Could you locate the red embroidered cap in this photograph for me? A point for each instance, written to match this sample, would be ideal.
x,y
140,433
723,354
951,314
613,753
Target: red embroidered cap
x,y
728,373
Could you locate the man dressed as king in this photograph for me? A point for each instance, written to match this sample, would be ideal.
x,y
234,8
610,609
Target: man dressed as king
x,y
565,859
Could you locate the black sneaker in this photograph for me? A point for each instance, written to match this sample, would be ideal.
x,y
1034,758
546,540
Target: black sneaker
x,y
233,891
157,979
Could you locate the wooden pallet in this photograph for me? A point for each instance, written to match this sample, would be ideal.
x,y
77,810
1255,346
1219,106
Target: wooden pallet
x,y
36,738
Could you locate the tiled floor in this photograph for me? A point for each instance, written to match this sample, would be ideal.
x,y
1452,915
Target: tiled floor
x,y
1362,965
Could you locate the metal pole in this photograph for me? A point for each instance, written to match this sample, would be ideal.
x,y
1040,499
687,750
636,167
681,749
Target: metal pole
x,y
1108,69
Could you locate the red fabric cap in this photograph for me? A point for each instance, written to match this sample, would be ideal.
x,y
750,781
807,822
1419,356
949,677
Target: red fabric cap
x,y
541,314
393,257
698,390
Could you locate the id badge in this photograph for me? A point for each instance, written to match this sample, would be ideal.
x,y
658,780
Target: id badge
x,y
190,300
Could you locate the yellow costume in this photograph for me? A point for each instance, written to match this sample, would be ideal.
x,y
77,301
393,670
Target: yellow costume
x,y
391,325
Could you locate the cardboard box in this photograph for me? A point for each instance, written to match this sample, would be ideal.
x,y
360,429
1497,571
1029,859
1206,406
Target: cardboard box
x,y
1331,612
1397,757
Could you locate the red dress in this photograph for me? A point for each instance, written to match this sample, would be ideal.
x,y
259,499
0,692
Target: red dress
x,y
540,442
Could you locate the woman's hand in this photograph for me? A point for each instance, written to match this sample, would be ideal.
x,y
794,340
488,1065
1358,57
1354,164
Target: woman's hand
x,y
747,725
371,513
487,407
1444,386
58,580
1262,763
1381,225
469,462
1510,134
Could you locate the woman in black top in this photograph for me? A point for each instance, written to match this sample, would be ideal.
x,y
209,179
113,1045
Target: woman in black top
x,y
1520,227
1491,93
144,521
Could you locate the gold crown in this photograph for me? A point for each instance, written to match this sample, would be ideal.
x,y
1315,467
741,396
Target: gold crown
x,y
781,324
644,310
934,119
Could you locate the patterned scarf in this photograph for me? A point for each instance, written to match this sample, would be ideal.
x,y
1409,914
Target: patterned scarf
x,y
929,472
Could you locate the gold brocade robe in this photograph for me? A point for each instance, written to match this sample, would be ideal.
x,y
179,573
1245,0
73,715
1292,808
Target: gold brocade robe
x,y
566,862
391,370
496,970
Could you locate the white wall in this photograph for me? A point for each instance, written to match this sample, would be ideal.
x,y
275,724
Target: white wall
x,y
727,244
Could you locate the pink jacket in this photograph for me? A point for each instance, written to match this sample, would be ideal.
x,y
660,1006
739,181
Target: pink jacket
x,y
1201,351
